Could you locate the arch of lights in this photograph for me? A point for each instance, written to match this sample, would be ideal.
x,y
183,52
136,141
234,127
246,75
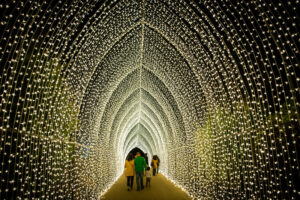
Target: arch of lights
x,y
212,87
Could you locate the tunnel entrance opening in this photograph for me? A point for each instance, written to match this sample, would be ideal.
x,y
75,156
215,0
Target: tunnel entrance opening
x,y
134,152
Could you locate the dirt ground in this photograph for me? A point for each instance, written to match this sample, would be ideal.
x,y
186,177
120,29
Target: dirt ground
x,y
161,189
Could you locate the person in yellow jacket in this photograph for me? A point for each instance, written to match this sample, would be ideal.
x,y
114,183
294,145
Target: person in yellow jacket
x,y
129,171
154,164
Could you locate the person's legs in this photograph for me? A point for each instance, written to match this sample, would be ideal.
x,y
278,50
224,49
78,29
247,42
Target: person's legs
x,y
142,180
154,171
128,182
138,180
131,181
146,183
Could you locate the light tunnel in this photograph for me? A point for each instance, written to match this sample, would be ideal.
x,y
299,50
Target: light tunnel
x,y
211,87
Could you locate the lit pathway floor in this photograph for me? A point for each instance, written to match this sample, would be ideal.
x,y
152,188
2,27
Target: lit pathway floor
x,y
161,189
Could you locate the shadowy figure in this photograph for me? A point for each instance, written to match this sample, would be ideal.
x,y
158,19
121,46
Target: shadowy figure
x,y
146,158
158,163
154,164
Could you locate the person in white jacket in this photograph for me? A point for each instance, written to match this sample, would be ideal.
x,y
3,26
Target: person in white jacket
x,y
148,177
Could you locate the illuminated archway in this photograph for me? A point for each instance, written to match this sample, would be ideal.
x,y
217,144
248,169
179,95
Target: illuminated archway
x,y
212,87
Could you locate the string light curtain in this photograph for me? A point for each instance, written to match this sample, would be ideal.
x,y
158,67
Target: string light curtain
x,y
210,86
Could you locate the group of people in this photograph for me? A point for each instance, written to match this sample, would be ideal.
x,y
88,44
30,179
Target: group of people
x,y
138,165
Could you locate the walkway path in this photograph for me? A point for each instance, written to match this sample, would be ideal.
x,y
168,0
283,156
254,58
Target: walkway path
x,y
161,189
